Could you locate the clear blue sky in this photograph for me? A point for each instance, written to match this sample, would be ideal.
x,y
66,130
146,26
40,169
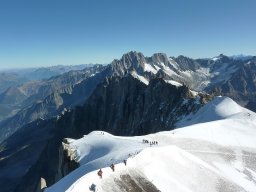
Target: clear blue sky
x,y
50,32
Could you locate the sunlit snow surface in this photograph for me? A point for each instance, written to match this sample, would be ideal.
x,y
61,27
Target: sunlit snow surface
x,y
139,77
218,154
149,68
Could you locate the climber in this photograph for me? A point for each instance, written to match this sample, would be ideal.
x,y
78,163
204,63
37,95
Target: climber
x,y
125,161
100,172
92,188
112,167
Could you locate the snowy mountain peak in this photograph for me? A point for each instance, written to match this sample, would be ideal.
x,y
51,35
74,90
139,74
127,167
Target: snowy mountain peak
x,y
221,58
160,58
142,68
197,74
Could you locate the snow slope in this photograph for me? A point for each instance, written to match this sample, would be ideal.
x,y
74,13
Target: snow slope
x,y
177,84
218,109
140,78
218,154
149,68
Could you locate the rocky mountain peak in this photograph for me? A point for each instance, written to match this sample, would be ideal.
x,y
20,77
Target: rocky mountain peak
x,y
133,56
137,64
131,61
187,63
222,59
160,58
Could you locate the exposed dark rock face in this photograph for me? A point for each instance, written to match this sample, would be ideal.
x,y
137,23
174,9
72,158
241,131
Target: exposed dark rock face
x,y
241,86
158,58
230,77
251,106
129,62
19,154
127,183
186,63
128,107
31,154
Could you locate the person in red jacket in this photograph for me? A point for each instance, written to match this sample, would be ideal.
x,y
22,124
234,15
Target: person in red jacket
x,y
100,172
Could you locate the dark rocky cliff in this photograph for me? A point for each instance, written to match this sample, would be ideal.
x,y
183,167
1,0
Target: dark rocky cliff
x,y
241,86
128,107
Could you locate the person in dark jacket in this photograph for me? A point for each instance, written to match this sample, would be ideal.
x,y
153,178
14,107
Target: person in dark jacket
x,y
92,188
112,167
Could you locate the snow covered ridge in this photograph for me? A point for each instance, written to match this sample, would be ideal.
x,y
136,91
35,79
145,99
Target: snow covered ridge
x,y
218,109
218,154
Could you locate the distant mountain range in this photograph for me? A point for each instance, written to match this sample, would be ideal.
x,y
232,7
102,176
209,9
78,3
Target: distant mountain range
x,y
17,85
44,99
16,77
241,57
134,95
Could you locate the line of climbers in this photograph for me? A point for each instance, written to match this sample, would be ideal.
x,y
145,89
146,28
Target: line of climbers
x,y
112,166
150,142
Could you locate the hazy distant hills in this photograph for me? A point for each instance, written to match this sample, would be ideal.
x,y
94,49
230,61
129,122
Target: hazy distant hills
x,y
47,72
10,80
16,77
45,99
17,85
